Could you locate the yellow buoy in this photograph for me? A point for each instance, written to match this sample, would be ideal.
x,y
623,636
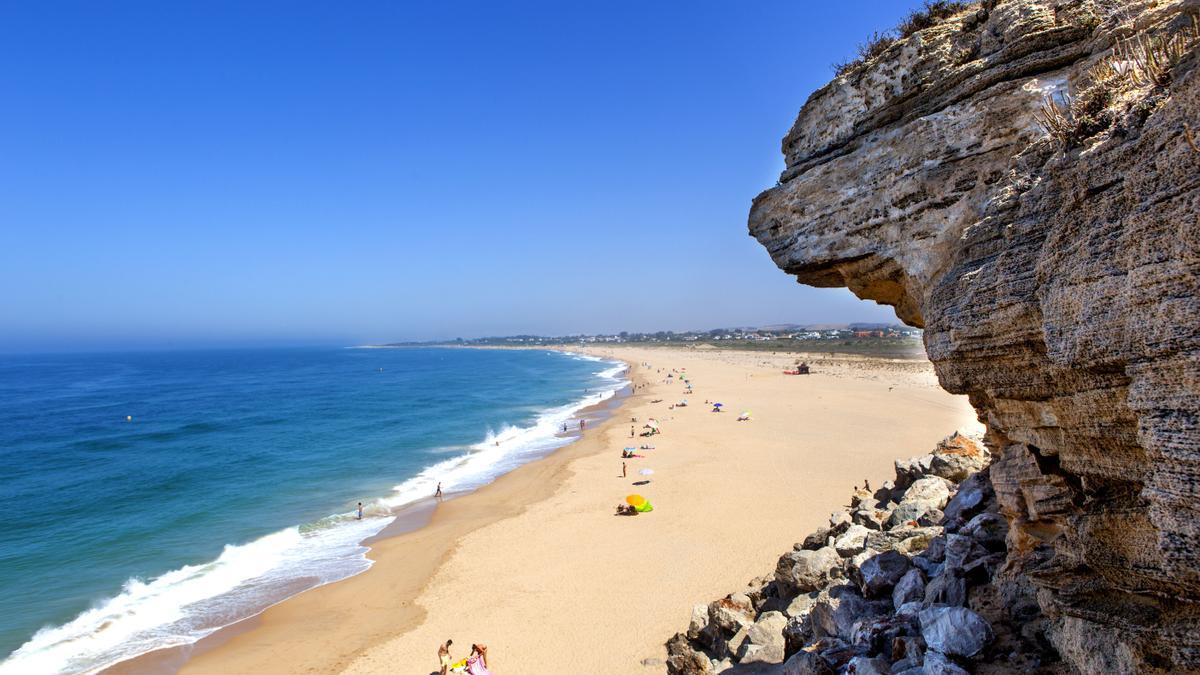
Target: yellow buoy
x,y
129,418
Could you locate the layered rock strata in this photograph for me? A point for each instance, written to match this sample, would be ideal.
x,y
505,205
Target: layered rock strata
x,y
1023,182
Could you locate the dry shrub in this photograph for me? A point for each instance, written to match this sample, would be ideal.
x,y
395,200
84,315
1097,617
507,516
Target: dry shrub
x,y
930,14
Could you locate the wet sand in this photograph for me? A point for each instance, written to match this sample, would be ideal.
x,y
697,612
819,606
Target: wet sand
x,y
536,565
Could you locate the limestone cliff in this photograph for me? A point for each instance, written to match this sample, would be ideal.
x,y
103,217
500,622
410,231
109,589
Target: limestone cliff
x,y
1022,181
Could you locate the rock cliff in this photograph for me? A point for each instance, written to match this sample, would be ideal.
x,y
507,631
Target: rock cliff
x,y
1022,181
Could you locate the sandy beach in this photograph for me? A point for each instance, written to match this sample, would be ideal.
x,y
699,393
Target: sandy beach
x,y
537,566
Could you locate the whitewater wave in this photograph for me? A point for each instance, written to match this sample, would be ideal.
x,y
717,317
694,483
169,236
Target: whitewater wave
x,y
187,604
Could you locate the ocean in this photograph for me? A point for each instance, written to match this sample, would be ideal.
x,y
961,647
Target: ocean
x,y
148,499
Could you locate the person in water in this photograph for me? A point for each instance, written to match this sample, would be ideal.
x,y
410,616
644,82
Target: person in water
x,y
360,510
438,494
444,657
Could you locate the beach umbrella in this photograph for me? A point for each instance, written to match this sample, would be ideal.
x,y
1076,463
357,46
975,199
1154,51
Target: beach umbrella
x,y
646,472
718,405
630,448
644,507
635,500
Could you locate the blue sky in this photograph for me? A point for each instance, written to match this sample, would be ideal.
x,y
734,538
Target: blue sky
x,y
225,173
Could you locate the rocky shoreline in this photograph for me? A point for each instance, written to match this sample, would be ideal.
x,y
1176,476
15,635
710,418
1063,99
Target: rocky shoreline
x,y
908,579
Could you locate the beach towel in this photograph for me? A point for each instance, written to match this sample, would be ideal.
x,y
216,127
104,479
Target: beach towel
x,y
475,666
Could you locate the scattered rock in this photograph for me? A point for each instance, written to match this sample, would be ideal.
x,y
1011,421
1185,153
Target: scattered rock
x,y
732,612
879,574
938,664
699,622
862,665
868,519
910,588
807,663
954,631
852,542
815,540
988,530
805,570
764,640
948,588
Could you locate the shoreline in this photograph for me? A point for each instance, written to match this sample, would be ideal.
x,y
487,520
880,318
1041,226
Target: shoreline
x,y
407,519
536,566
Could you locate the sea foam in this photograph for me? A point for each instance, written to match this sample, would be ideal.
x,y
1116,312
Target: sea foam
x,y
184,605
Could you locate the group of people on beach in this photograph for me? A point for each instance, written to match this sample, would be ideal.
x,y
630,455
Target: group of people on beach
x,y
475,664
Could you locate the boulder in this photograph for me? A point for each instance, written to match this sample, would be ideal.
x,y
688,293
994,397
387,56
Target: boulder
x,y
954,631
815,540
730,614
930,490
796,634
914,544
936,551
988,529
910,470
876,633
909,647
807,663
863,665
957,550
910,512
868,518
821,620
852,542
764,640
958,457
879,574
733,646
683,660
857,561
973,495
839,519
930,568
891,538
805,570
910,588
938,664
801,604
699,622
949,588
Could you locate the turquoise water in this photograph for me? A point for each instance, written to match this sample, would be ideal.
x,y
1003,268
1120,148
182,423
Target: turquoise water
x,y
235,483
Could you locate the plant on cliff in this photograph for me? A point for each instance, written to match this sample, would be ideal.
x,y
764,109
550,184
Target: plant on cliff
x,y
1136,63
930,14
874,46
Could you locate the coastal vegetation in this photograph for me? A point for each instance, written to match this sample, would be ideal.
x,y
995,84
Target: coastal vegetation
x,y
930,14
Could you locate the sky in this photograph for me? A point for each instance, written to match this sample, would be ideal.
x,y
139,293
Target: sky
x,y
183,174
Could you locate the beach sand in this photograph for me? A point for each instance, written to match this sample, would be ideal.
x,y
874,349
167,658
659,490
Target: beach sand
x,y
537,566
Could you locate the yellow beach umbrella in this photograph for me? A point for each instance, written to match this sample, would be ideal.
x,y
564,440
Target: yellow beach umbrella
x,y
635,500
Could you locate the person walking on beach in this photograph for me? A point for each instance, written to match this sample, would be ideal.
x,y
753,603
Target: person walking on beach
x,y
438,494
444,657
631,431
622,469
360,510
